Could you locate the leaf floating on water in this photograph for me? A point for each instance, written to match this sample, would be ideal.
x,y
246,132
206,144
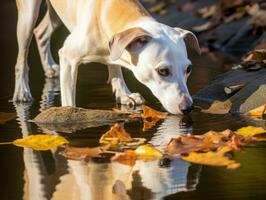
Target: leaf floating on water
x,y
148,124
41,142
148,151
216,158
151,113
76,153
250,131
151,117
257,112
219,107
128,157
5,117
115,136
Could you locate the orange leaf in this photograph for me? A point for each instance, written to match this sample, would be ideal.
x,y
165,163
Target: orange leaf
x,y
115,136
76,153
128,157
151,113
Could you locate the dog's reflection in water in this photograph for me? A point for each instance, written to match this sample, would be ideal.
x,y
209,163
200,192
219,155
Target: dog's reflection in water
x,y
99,179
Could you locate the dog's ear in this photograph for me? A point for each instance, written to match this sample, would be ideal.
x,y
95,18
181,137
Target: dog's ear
x,y
131,40
190,39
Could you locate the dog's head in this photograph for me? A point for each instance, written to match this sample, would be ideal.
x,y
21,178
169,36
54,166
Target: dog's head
x,y
157,55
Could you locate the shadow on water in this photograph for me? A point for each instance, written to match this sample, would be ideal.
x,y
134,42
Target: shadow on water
x,y
27,174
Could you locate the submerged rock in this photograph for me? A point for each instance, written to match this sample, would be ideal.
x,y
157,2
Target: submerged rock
x,y
69,119
252,95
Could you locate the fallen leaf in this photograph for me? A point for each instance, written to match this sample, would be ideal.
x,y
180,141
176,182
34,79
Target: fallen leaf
x,y
252,65
219,107
250,131
257,112
232,89
209,11
148,151
128,157
184,145
115,136
216,158
148,124
151,113
5,117
41,142
258,55
76,153
205,27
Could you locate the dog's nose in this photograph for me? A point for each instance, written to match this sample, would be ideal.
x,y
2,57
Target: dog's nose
x,y
187,109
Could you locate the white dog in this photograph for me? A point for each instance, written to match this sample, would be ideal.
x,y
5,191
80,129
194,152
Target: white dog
x,y
113,32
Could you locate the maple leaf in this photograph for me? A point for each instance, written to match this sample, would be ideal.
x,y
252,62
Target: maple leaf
x,y
41,142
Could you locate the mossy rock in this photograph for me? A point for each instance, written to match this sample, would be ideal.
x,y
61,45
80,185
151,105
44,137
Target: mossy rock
x,y
70,119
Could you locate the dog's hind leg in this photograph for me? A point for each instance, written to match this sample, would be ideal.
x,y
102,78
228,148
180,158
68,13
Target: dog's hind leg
x,y
28,12
43,33
122,93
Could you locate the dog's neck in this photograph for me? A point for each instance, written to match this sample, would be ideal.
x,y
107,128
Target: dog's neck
x,y
121,14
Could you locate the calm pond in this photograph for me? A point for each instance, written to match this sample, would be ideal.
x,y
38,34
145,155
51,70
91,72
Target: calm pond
x,y
27,174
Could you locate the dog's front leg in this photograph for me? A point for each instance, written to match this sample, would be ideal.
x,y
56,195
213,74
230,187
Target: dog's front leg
x,y
28,12
68,79
122,93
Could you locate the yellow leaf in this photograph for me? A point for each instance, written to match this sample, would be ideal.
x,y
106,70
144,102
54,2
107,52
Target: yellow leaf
x,y
217,158
41,142
151,113
257,112
5,117
250,131
148,151
115,136
149,124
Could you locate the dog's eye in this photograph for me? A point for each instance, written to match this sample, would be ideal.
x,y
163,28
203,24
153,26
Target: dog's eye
x,y
163,71
189,69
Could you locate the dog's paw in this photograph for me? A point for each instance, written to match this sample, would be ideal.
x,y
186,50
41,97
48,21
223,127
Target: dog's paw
x,y
52,72
132,99
22,96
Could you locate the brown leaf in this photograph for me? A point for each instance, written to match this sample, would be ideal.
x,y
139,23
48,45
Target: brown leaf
x,y
209,11
258,55
76,153
115,136
128,157
205,27
5,117
219,107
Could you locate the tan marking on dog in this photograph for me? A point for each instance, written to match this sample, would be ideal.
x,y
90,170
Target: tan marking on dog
x,y
123,12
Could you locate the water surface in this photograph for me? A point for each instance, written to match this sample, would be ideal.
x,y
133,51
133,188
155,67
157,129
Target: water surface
x,y
27,174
